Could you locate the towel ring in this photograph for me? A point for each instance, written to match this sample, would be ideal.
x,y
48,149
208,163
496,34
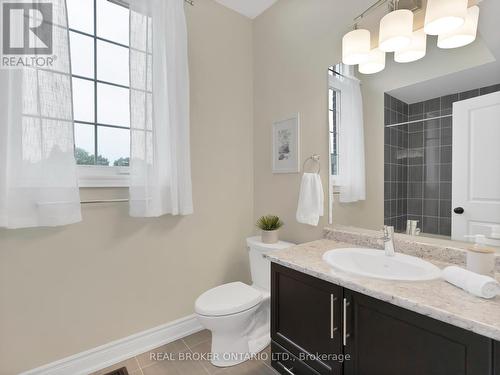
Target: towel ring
x,y
314,157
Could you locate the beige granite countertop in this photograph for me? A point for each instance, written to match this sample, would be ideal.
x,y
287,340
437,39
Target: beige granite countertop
x,y
436,299
438,249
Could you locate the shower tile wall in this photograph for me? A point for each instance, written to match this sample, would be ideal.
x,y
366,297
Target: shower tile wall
x,y
429,164
417,165
395,163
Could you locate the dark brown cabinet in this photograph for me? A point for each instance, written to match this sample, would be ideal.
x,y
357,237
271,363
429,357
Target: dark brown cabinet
x,y
305,319
496,357
387,340
320,328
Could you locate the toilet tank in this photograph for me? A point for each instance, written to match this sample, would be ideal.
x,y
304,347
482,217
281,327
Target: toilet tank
x,y
259,266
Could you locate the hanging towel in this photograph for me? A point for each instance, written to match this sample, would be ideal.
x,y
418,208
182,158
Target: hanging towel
x,y
479,285
310,206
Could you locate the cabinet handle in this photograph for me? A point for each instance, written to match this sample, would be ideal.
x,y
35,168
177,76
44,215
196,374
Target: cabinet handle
x,y
332,316
345,335
288,370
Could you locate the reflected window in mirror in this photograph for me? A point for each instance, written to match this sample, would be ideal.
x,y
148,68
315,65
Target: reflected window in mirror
x,y
333,122
334,110
346,136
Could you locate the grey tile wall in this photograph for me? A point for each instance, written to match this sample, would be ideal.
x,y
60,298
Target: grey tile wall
x,y
417,161
429,159
395,163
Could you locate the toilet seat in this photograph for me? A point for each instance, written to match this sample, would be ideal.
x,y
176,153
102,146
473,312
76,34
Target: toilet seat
x,y
227,299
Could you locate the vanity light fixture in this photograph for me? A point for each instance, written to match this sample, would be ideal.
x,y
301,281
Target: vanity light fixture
x,y
465,34
444,16
415,51
450,20
375,62
356,47
396,30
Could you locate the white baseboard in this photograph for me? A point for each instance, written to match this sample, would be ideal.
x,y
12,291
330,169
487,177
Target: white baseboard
x,y
109,354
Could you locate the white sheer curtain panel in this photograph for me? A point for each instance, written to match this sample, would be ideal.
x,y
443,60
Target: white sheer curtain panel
x,y
351,141
160,166
38,179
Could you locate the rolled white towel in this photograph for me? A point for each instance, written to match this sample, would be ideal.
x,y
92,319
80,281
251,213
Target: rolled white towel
x,y
479,285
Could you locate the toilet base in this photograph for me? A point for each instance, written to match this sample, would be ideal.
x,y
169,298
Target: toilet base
x,y
230,353
239,337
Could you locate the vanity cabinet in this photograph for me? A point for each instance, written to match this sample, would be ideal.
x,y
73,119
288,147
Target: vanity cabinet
x,y
496,357
312,321
305,322
389,340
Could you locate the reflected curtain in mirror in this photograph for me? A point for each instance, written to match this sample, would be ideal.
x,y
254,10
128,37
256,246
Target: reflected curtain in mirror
x,y
351,158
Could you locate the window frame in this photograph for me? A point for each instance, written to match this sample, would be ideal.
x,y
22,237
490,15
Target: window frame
x,y
334,178
100,175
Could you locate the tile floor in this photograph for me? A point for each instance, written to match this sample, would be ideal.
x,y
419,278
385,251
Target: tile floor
x,y
195,345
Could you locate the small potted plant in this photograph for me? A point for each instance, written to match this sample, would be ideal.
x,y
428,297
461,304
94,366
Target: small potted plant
x,y
269,224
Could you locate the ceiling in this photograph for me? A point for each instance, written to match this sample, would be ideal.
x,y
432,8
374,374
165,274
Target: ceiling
x,y
249,8
469,79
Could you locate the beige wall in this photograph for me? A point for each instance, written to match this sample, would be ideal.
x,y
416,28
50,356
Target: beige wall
x,y
66,290
294,43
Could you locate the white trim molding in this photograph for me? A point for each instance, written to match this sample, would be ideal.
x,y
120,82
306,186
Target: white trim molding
x,y
114,352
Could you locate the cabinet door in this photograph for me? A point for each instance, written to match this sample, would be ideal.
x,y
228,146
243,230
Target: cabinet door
x,y
383,339
496,357
305,318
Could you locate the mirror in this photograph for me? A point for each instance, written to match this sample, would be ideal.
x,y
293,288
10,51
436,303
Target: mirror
x,y
426,132
438,158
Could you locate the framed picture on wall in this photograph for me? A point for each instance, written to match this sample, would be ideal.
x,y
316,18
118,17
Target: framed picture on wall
x,y
286,145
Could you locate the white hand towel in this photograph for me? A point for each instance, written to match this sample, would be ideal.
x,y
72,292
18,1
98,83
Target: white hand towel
x,y
311,199
479,285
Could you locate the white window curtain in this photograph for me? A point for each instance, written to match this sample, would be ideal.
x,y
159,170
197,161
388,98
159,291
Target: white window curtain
x,y
351,140
38,179
160,167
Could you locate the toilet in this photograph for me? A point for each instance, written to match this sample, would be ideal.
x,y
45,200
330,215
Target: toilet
x,y
237,314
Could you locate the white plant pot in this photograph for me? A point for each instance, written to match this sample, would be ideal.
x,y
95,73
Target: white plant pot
x,y
270,236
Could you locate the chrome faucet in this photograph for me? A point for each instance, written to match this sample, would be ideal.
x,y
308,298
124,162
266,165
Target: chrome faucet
x,y
389,240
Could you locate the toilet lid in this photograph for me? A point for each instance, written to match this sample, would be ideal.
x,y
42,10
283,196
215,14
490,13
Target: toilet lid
x,y
227,299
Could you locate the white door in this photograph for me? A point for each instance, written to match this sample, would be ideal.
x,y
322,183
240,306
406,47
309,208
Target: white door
x,y
476,166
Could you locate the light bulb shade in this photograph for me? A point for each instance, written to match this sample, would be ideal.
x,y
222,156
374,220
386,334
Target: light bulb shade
x,y
356,47
415,51
465,34
443,16
375,62
396,30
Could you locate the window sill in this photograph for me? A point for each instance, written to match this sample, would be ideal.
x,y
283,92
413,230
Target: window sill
x,y
90,176
335,182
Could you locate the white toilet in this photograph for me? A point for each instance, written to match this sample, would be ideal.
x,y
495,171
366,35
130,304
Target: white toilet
x,y
239,314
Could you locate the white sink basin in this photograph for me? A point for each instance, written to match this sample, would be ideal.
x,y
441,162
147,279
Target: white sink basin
x,y
374,263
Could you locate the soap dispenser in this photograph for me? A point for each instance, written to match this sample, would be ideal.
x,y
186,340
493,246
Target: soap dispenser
x,y
480,258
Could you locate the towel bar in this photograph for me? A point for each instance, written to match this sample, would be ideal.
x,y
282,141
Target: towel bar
x,y
98,201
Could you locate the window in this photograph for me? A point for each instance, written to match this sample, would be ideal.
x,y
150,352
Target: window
x,y
99,38
333,117
334,97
